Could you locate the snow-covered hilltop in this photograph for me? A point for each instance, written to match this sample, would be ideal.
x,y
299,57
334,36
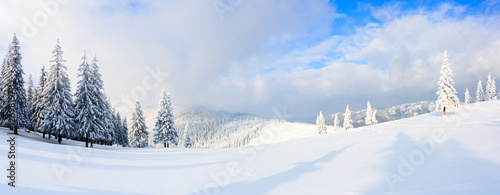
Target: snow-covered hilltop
x,y
426,154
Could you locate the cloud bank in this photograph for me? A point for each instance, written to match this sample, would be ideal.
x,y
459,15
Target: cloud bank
x,y
266,57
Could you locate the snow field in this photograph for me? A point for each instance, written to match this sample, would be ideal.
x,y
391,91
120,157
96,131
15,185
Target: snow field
x,y
426,154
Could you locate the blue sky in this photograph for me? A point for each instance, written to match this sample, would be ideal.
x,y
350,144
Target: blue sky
x,y
263,56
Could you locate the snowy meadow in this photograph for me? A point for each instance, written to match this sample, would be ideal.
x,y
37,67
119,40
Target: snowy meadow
x,y
249,97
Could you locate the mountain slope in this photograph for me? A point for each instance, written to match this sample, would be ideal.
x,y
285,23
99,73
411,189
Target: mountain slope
x,y
426,154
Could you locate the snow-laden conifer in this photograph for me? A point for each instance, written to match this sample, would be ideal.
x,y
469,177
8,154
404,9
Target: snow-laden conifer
x,y
165,132
30,108
374,117
125,132
467,96
479,92
117,122
320,122
87,121
446,92
38,100
347,119
138,134
491,90
187,141
58,109
14,94
336,122
369,112
104,113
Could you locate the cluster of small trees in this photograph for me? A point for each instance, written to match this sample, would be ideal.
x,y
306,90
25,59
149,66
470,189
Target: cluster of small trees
x,y
164,130
447,94
446,98
49,108
481,96
370,119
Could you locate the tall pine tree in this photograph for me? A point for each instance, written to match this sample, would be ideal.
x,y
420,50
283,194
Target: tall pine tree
x,y
165,132
58,109
347,119
374,117
13,90
467,96
30,108
336,122
87,121
479,92
491,90
38,101
447,95
117,123
3,117
125,132
187,141
369,112
138,130
320,122
104,113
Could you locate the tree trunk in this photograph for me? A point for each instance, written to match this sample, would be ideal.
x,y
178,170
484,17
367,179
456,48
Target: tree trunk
x,y
164,144
92,143
139,146
167,144
59,138
15,129
444,110
49,135
87,140
43,134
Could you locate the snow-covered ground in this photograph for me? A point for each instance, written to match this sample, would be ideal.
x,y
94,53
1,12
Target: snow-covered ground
x,y
426,154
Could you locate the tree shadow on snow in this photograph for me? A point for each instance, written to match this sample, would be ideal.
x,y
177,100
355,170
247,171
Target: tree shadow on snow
x,y
445,168
266,185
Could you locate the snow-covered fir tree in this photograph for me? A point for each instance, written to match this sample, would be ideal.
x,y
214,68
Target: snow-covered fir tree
x,y
467,96
38,100
87,122
105,114
369,113
374,117
13,91
479,92
187,141
447,95
336,122
3,117
347,119
491,89
30,108
58,109
164,129
138,134
117,122
124,129
320,122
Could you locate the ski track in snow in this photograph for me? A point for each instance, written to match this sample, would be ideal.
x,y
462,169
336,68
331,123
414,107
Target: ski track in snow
x,y
426,154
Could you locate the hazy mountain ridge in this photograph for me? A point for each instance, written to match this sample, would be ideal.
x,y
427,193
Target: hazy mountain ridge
x,y
210,129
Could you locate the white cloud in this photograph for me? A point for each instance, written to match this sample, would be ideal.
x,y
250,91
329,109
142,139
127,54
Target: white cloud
x,y
255,59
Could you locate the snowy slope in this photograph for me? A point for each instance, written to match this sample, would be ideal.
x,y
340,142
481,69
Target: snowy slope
x,y
456,154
